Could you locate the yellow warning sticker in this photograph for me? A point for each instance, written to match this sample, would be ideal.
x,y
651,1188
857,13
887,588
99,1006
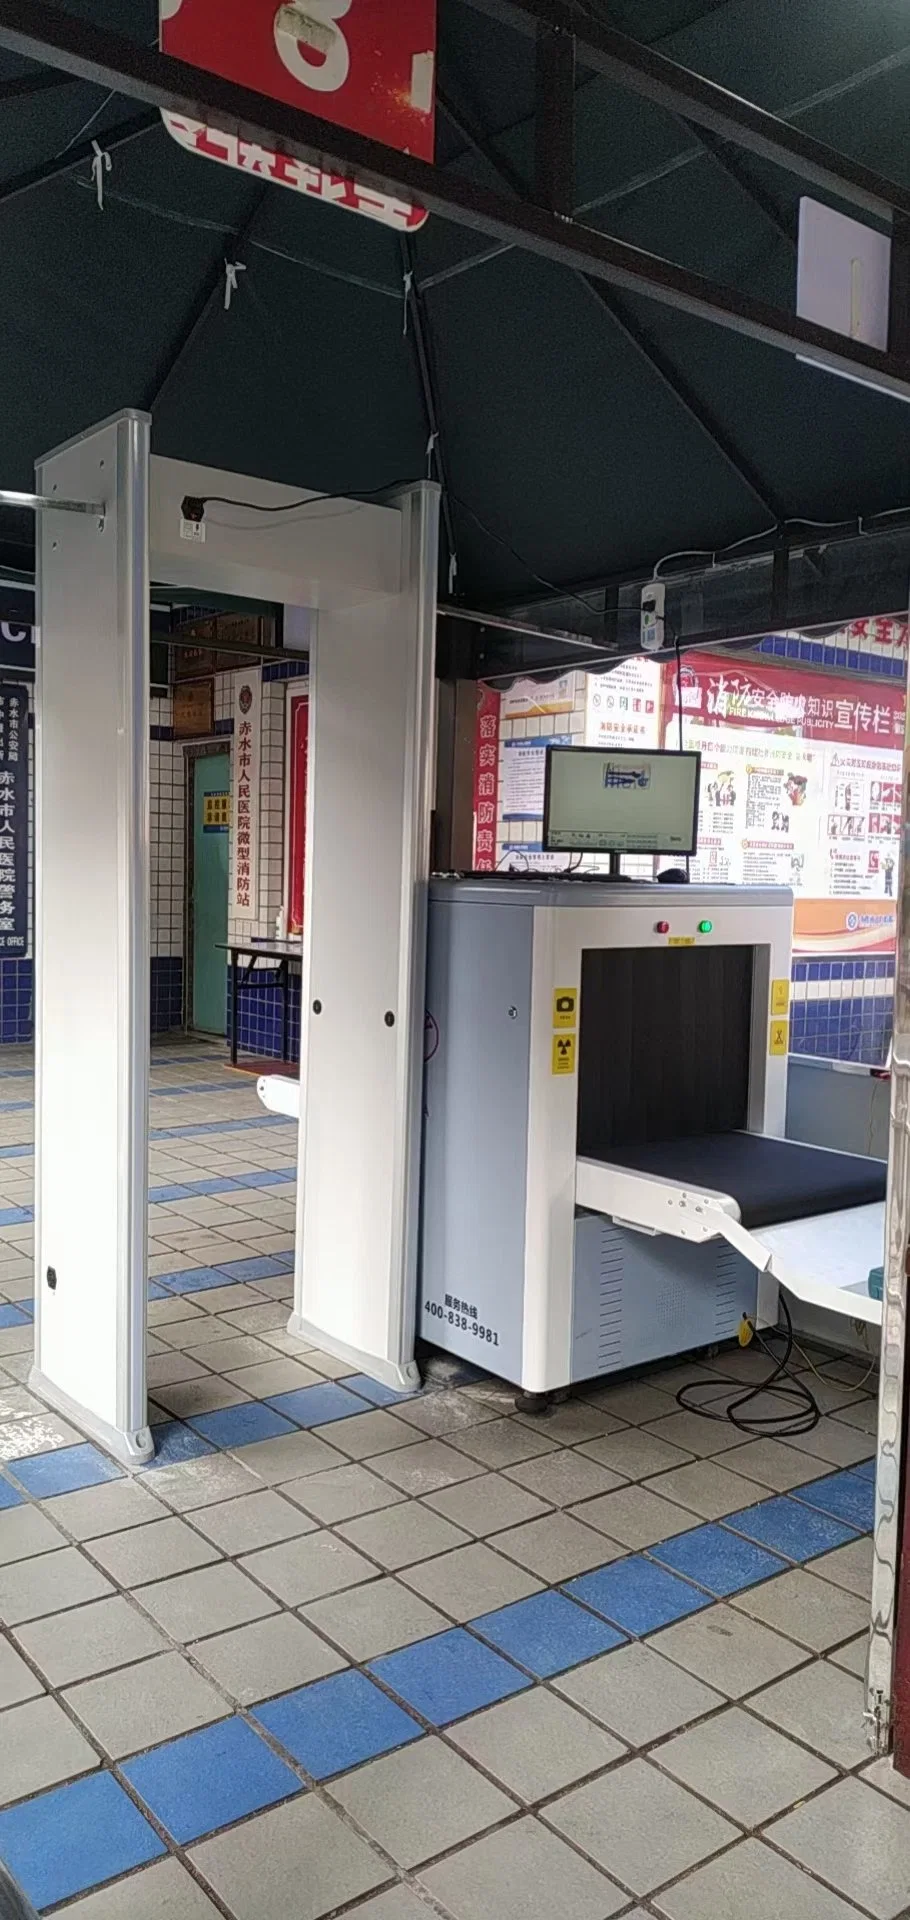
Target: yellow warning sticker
x,y
780,996
681,940
779,1036
216,812
565,1006
563,1053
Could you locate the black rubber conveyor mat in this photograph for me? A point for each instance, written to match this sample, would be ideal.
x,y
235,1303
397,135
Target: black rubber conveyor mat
x,y
772,1180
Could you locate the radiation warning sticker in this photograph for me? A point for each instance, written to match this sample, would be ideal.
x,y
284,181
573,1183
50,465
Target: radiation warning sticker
x,y
779,1036
565,1007
780,996
563,1053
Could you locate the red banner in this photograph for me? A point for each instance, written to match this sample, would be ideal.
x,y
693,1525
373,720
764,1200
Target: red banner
x,y
364,64
722,692
486,779
298,758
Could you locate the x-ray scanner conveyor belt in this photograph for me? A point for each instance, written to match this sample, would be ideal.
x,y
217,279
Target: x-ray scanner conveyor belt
x,y
812,1219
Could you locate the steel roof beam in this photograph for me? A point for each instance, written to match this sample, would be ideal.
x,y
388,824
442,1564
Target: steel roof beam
x,y
429,389
43,33
74,157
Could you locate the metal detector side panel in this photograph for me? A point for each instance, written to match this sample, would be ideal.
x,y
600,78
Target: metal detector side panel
x,y
640,1297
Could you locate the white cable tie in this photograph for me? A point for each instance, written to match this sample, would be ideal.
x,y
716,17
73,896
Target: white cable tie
x,y
430,446
101,164
407,284
231,270
453,569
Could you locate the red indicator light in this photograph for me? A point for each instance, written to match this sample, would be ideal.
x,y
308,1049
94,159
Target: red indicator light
x,y
663,926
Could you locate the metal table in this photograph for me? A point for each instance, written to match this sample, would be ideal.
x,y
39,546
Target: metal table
x,y
243,975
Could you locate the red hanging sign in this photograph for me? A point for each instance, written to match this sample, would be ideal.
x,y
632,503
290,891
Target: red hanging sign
x,y
365,64
486,778
297,762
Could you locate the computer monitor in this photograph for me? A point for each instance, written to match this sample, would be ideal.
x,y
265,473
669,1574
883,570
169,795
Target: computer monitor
x,y
620,800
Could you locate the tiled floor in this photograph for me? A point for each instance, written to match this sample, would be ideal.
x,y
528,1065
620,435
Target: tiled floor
x,y
342,1652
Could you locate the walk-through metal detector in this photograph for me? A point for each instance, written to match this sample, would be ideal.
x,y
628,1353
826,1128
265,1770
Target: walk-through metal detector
x,y
368,572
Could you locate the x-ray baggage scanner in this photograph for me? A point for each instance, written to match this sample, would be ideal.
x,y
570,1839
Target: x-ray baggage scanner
x,y
605,1180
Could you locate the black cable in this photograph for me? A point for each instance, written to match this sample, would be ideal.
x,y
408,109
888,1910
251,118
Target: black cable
x,y
204,500
562,593
805,1416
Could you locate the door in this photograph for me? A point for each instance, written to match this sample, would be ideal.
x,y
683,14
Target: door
x,y
211,840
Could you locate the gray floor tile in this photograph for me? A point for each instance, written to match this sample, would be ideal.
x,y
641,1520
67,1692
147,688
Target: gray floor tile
x,y
727,1650
443,1412
806,1609
634,1517
823,1706
557,1546
633,1401
535,1744
401,1537
370,1620
267,1657
635,1453
570,1422
706,1488
746,1769
881,1774
307,1568
17,1681
208,1601
48,1584
240,1350
162,1892
849,1567
695,1434
523,1872
636,1693
40,1747
563,1478
853,1656
70,1646
470,1580
105,1509
164,1369
642,1827
188,1397
286,1458
255,1520
774,1465
488,1505
751,1883
342,1493
855,1839
834,1441
264,1319
25,1531
277,1375
142,1705
863,1415
418,1802
201,1483
502,1443
327,1364
300,1859
41,1433
152,1552
364,1435
425,1466
398,1904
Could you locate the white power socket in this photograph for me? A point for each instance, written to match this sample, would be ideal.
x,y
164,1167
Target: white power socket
x,y
653,601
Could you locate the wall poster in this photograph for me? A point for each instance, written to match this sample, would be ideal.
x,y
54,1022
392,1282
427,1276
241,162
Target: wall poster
x,y
245,779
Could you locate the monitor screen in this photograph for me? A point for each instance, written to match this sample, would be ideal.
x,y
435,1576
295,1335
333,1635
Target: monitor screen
x,y
620,800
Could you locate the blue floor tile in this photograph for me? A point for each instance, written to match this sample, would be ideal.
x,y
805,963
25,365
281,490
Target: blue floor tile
x,y
157,1194
64,1471
636,1595
865,1470
259,1266
215,1183
266,1177
208,1779
448,1676
14,1216
717,1559
64,1842
175,1443
337,1723
374,1391
848,1496
193,1279
156,1292
9,1496
314,1406
12,1316
241,1426
789,1527
547,1633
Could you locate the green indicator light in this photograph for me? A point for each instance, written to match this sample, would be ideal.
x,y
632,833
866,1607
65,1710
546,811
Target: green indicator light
x,y
706,926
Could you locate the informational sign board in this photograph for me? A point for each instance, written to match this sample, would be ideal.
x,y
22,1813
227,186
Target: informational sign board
x,y
527,699
298,748
368,65
13,820
623,707
800,787
245,758
524,770
216,812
